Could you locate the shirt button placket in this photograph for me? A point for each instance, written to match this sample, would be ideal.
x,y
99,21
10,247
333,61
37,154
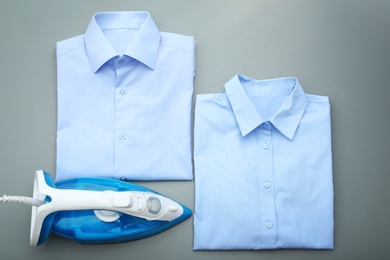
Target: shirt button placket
x,y
267,195
121,132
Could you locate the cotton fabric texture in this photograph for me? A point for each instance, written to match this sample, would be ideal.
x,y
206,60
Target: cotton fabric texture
x,y
124,101
263,167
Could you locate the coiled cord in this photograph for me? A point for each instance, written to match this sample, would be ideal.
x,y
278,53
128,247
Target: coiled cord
x,y
22,199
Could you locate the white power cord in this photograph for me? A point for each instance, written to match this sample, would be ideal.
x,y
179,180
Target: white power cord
x,y
22,199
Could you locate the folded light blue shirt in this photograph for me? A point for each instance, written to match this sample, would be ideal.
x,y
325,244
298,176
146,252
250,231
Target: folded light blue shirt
x,y
263,167
124,101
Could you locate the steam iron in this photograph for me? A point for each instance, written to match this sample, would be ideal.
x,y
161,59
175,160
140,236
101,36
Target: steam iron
x,y
97,210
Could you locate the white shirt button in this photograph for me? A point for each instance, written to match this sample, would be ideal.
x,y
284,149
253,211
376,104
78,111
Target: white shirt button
x,y
265,146
123,91
121,61
122,136
268,224
267,184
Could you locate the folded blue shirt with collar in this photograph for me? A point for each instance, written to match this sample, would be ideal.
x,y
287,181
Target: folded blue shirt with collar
x,y
124,101
263,167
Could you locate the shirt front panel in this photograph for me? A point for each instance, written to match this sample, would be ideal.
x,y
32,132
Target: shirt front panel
x,y
124,119
261,190
221,162
304,181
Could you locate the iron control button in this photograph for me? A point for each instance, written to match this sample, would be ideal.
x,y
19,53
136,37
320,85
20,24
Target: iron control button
x,y
121,200
173,208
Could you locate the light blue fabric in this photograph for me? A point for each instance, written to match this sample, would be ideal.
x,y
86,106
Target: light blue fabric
x,y
124,101
263,167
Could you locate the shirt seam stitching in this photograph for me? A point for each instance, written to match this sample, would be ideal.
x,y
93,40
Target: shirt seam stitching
x,y
176,47
326,102
208,99
70,50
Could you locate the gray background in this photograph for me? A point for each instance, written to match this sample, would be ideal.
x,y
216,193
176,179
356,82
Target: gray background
x,y
336,48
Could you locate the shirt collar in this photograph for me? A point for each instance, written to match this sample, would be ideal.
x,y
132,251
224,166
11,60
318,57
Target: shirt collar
x,y
144,46
286,119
